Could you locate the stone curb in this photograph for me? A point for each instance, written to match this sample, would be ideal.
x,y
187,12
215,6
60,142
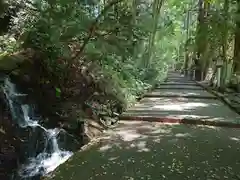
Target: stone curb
x,y
219,96
189,121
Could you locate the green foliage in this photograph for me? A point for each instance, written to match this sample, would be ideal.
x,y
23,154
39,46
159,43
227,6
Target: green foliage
x,y
8,44
128,50
58,92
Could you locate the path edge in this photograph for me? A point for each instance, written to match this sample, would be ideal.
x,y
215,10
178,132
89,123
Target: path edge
x,y
187,121
220,96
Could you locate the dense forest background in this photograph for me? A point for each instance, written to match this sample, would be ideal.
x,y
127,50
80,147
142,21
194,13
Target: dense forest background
x,y
88,54
82,61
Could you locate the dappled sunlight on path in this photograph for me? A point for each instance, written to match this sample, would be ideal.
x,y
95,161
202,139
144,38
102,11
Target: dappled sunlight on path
x,y
141,147
143,150
180,107
183,108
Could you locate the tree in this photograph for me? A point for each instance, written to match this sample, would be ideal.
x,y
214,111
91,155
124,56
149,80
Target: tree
x,y
237,41
117,48
157,4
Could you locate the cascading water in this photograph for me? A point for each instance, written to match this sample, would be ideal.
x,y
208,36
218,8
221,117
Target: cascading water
x,y
51,156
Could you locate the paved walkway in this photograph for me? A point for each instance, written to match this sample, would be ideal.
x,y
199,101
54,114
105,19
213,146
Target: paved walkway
x,y
143,150
181,100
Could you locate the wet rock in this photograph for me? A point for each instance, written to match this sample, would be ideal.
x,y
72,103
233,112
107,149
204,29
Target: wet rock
x,y
92,129
9,144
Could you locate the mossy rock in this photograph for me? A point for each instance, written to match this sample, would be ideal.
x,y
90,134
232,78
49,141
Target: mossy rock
x,y
10,62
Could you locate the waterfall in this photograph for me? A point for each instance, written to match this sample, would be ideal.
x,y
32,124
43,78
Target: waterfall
x,y
51,156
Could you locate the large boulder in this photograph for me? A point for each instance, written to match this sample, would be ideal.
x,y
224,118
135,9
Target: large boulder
x,y
9,63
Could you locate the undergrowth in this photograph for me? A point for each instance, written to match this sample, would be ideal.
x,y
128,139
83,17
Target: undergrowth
x,y
84,50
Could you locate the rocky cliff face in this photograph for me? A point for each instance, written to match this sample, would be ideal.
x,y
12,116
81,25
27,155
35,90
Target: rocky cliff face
x,y
67,111
9,144
17,144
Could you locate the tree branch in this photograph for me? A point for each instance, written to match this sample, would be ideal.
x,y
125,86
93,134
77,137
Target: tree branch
x,y
92,29
107,33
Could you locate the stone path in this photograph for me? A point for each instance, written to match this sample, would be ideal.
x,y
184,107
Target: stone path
x,y
143,150
184,102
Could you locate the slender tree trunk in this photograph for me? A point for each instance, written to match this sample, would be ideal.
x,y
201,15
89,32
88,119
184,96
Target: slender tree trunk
x,y
186,62
225,68
201,40
236,65
198,40
134,11
157,4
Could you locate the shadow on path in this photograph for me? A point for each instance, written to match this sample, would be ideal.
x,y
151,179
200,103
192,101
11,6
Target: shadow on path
x,y
154,151
143,150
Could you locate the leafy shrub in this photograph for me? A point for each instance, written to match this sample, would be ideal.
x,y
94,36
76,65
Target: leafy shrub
x,y
90,47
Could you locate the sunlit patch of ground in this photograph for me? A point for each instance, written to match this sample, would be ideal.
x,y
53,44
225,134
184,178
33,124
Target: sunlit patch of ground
x,y
180,107
144,150
178,86
180,93
154,151
184,108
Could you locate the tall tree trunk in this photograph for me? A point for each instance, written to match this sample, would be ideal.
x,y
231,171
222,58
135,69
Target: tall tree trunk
x,y
198,40
186,61
225,68
134,11
236,66
201,40
157,4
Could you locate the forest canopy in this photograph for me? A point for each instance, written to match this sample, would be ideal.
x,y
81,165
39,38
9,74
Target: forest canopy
x,y
121,48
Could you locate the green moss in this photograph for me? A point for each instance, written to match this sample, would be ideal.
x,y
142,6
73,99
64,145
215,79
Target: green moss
x,y
10,62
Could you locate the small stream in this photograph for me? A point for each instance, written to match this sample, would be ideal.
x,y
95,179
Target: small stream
x,y
44,149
